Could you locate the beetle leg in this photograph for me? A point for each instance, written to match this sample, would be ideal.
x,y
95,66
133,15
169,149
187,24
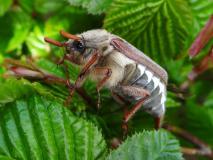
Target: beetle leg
x,y
84,72
129,114
86,69
87,66
118,98
68,84
106,73
61,61
125,105
158,122
133,91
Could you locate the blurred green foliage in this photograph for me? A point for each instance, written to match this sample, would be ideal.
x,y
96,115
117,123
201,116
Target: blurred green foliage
x,y
163,29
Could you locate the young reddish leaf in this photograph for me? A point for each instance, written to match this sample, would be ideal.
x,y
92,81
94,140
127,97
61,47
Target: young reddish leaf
x,y
202,39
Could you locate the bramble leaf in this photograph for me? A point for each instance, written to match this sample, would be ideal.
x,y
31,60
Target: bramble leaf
x,y
46,7
158,27
92,6
152,145
37,128
201,11
13,89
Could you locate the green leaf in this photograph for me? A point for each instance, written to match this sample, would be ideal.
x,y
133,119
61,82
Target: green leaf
x,y
73,20
5,5
158,27
35,43
172,103
27,5
178,70
199,120
38,128
92,6
45,7
5,158
201,10
15,26
13,89
152,145
209,100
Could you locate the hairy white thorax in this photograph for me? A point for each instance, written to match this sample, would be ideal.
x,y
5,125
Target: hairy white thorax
x,y
100,38
97,38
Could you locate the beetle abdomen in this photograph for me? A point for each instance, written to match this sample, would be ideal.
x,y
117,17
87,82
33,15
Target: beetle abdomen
x,y
142,77
155,103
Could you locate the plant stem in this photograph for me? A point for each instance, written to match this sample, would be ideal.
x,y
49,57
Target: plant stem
x,y
203,148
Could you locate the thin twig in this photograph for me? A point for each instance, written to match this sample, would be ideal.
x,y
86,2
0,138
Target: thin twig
x,y
203,148
195,151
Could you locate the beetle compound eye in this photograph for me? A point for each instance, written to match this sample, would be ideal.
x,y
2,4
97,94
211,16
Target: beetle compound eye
x,y
79,46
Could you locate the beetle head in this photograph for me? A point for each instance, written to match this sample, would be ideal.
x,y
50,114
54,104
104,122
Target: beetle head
x,y
79,48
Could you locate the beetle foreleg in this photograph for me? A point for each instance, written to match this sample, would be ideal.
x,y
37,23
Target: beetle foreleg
x,y
84,72
86,69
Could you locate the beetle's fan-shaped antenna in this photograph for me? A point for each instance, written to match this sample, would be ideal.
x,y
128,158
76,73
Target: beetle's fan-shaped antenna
x,y
69,36
54,42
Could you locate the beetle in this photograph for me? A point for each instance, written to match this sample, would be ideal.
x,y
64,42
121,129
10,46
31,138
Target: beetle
x,y
119,66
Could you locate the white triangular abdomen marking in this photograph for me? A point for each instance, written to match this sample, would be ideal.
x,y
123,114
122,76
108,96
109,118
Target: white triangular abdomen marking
x,y
149,75
156,82
142,69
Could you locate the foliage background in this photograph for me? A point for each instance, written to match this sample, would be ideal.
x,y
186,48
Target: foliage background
x,y
163,29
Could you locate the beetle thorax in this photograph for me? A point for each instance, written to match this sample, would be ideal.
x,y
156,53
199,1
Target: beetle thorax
x,y
98,39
